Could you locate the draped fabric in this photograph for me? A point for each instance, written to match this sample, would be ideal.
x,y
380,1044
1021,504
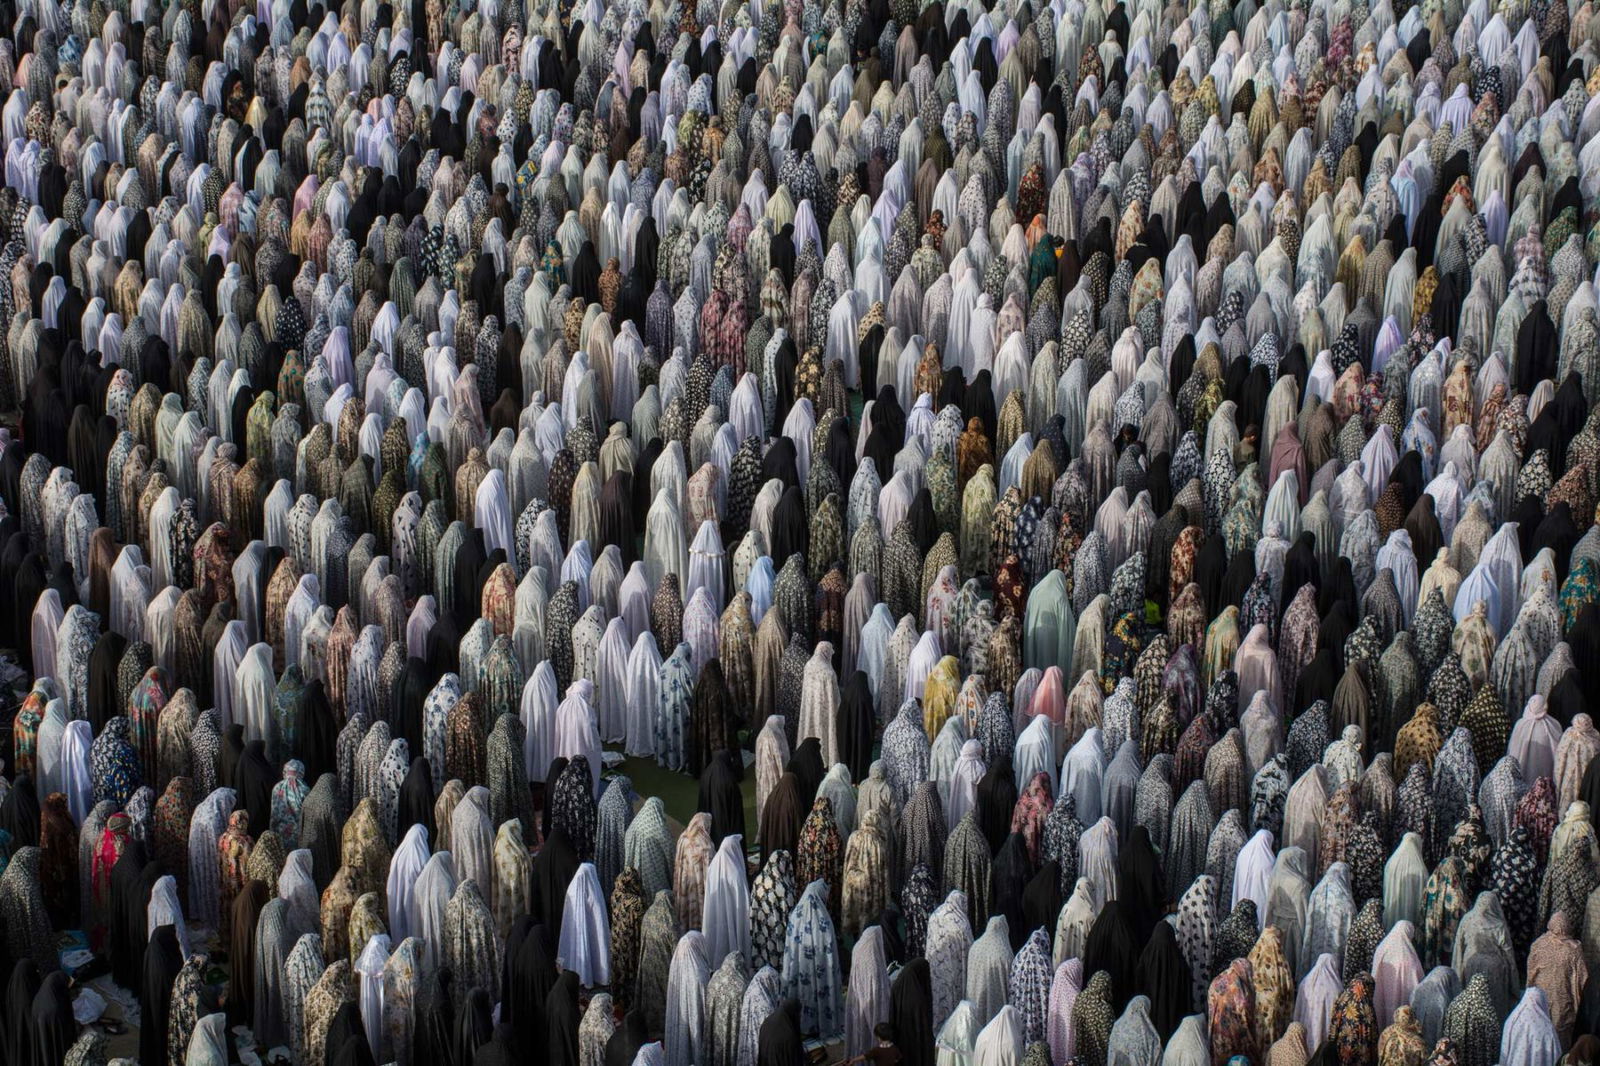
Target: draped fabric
x,y
584,946
811,967
686,1036
726,915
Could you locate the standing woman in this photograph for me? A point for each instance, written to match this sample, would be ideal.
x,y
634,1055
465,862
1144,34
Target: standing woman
x,y
54,1027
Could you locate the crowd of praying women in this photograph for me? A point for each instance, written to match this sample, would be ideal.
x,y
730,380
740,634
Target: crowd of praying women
x,y
1115,481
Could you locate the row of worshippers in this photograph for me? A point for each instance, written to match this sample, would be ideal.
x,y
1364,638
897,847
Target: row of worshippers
x,y
687,930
